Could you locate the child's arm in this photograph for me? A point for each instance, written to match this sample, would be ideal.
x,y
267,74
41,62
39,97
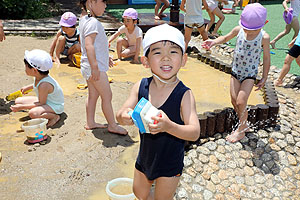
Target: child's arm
x,y
138,50
113,37
292,42
190,130
122,115
205,4
266,60
53,45
182,5
26,88
210,43
285,6
90,51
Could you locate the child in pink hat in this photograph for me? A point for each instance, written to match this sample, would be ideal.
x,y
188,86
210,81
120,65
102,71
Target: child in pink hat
x,y
251,41
66,41
294,24
132,42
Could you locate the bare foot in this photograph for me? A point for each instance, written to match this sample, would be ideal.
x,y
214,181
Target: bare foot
x,y
95,126
117,130
156,17
272,45
235,136
53,121
278,83
162,15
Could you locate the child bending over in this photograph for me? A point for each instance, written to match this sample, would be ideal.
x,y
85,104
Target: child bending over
x,y
132,41
213,11
161,151
251,40
49,100
66,41
95,62
160,14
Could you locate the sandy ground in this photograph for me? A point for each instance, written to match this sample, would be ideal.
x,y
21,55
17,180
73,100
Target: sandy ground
x,y
75,163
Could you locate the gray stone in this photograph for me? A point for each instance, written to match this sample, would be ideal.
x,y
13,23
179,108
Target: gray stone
x,y
197,188
182,193
210,145
281,143
207,194
203,150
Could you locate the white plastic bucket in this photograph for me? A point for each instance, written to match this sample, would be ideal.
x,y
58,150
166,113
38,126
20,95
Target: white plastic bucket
x,y
120,189
228,6
35,129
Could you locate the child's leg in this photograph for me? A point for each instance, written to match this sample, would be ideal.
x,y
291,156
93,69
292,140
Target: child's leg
x,y
280,35
44,111
60,46
102,88
212,20
91,107
187,35
121,42
298,60
239,96
21,101
295,26
73,49
203,32
285,69
156,8
141,186
163,8
128,52
165,188
221,17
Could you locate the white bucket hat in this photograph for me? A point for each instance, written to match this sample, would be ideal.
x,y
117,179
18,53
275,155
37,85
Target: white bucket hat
x,y
39,59
161,33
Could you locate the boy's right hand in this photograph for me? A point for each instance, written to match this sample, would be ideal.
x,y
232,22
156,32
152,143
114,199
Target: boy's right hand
x,y
95,74
207,44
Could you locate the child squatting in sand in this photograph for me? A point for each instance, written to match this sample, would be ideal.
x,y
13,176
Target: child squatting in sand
x,y
49,100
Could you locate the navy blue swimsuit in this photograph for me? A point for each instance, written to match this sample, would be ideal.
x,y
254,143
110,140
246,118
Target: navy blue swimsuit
x,y
161,155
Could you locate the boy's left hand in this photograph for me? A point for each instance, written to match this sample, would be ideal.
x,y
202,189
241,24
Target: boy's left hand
x,y
15,108
162,123
260,84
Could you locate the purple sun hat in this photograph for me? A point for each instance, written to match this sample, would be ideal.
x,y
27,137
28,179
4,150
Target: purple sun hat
x,y
253,17
68,19
288,16
130,13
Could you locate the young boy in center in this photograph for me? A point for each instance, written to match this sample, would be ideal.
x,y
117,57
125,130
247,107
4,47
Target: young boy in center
x,y
132,41
49,100
161,151
251,40
66,40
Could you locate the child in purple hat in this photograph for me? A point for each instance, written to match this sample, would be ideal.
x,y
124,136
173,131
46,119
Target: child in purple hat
x,y
66,41
251,40
133,39
295,5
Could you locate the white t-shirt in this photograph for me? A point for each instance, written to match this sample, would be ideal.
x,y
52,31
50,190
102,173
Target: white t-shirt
x,y
131,37
87,26
193,12
295,4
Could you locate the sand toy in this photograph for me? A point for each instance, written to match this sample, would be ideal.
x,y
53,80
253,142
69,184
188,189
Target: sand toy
x,y
120,189
76,58
16,94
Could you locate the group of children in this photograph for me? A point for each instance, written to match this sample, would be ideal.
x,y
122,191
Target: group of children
x,y
161,153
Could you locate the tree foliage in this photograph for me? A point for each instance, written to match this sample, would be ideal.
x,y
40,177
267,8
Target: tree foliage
x,y
24,9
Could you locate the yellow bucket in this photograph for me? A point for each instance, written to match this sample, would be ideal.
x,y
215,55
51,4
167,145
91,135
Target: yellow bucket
x,y
76,59
245,2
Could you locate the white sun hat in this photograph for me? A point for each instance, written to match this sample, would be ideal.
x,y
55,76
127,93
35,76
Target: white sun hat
x,y
161,33
39,59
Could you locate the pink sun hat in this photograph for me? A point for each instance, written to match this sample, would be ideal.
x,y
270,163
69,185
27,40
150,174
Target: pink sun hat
x,y
288,16
253,17
130,13
68,19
